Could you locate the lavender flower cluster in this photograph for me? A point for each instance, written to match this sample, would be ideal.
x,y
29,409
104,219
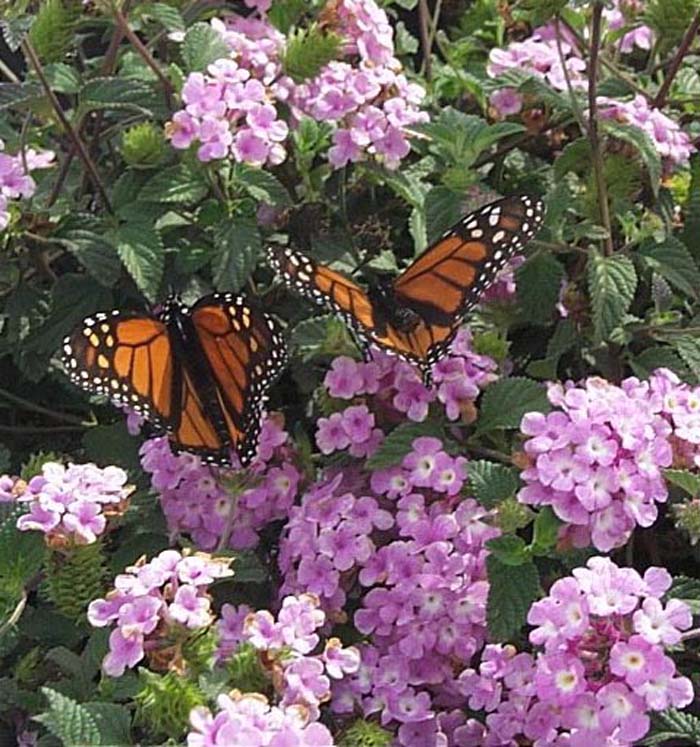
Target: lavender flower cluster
x,y
598,458
70,505
302,680
153,603
553,54
15,181
601,669
235,109
199,504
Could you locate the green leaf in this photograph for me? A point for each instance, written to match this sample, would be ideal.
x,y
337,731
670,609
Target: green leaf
x,y
612,282
506,401
308,51
52,32
685,480
674,262
443,208
684,587
69,721
112,444
248,568
691,229
576,157
675,725
538,284
14,29
659,356
509,549
170,18
116,93
261,185
490,482
179,184
14,95
545,531
113,721
202,46
286,13
94,252
688,347
512,589
62,78
400,442
141,250
237,244
644,145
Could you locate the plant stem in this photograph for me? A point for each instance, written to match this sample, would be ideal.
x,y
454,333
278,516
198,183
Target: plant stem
x,y
33,407
426,43
7,72
79,145
578,114
147,57
596,153
683,47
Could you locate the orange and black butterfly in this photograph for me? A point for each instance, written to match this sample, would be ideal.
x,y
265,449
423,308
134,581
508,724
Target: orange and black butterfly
x,y
199,374
417,314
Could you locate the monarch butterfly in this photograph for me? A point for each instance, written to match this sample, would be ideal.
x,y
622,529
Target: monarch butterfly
x,y
199,374
417,314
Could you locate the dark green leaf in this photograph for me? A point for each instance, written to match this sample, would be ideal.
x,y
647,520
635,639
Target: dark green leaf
x,y
69,721
94,253
179,184
644,145
443,208
688,347
612,282
490,483
575,157
685,480
116,93
141,250
512,589
17,94
684,587
509,549
14,30
262,186
400,442
63,78
659,356
675,725
248,569
113,722
286,13
202,46
506,401
538,284
237,244
691,229
545,531
308,51
112,444
169,17
674,262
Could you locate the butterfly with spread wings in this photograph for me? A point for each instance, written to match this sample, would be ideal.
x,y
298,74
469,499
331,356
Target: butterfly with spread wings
x,y
417,314
199,374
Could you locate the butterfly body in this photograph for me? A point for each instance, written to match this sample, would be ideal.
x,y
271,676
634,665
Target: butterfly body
x,y
199,373
417,314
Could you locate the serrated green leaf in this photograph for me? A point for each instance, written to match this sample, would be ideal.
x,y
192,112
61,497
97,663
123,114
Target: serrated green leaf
x,y
512,589
308,51
673,261
685,480
62,78
116,93
17,94
691,229
261,185
443,208
612,282
202,46
509,549
400,442
576,157
237,244
684,587
506,401
14,29
490,482
286,13
169,17
659,356
688,347
538,284
644,145
94,252
69,721
141,250
179,184
676,725
113,721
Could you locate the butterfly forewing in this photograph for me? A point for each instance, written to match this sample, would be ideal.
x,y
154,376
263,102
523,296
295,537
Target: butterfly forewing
x,y
128,358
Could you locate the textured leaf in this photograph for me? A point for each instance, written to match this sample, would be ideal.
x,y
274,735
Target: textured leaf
x,y
69,721
538,283
691,230
509,549
684,587
262,186
202,46
443,208
113,721
688,347
545,531
512,589
169,17
116,93
644,145
612,282
660,356
685,480
237,244
506,401
490,482
674,262
16,94
308,51
400,442
286,13
176,185
675,725
95,253
141,250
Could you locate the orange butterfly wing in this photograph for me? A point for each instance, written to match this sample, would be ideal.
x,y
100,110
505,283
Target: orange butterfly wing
x,y
127,357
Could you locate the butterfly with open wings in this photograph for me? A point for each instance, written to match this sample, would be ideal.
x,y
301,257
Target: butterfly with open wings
x,y
200,374
417,314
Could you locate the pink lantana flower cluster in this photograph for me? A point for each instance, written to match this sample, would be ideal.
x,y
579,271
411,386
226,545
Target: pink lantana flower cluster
x,y
154,604
598,458
197,502
15,179
392,389
601,668
302,679
410,552
70,505
234,110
